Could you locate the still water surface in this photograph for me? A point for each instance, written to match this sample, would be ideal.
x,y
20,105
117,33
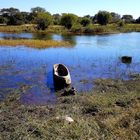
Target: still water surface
x,y
90,58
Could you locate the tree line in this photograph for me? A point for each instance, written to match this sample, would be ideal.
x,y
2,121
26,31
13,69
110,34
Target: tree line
x,y
41,17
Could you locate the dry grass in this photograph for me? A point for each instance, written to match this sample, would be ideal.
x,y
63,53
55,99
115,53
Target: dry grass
x,y
31,28
17,29
34,43
91,29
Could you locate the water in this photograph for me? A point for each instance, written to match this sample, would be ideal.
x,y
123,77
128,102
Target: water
x,y
90,58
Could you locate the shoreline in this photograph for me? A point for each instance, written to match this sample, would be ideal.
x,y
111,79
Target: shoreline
x,y
94,30
94,115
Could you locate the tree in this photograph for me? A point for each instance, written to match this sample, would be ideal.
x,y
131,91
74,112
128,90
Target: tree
x,y
16,19
34,12
115,17
88,16
85,21
9,11
128,18
56,19
68,20
138,20
43,20
12,16
94,19
3,20
103,17
25,17
38,10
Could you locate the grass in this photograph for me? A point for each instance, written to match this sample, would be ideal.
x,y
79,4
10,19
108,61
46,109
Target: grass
x,y
34,43
18,29
31,28
97,115
130,28
111,28
91,29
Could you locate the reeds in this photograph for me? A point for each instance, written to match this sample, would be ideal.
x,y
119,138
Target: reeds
x,y
18,29
35,43
31,28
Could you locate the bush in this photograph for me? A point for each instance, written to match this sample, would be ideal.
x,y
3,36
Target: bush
x,y
85,21
103,17
121,24
68,20
76,28
89,29
100,29
43,20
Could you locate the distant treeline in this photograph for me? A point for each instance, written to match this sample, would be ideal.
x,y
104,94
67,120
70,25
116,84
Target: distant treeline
x,y
39,16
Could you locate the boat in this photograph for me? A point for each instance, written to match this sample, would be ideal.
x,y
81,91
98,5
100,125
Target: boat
x,y
61,76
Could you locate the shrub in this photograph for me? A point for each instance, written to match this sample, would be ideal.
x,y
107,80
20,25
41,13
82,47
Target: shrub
x,y
89,29
121,23
103,17
85,21
43,20
68,20
76,28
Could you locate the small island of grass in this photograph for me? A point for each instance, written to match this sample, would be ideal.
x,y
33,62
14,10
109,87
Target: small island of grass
x,y
34,43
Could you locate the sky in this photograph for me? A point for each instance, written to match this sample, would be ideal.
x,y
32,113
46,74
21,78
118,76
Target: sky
x,y
79,7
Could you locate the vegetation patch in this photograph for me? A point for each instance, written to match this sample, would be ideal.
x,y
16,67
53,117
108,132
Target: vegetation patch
x,y
95,115
35,43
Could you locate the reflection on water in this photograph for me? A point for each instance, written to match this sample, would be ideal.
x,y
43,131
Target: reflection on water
x,y
92,57
16,36
42,36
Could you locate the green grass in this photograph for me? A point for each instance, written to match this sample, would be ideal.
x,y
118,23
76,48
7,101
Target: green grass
x,y
34,43
96,115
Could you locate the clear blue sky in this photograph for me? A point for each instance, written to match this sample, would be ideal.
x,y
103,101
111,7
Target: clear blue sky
x,y
79,7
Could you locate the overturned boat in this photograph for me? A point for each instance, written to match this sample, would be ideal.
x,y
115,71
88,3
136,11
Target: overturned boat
x,y
61,76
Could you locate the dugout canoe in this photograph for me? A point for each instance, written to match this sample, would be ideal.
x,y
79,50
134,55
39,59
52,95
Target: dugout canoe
x,y
61,76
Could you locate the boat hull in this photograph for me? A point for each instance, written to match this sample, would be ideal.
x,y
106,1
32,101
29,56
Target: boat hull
x,y
61,76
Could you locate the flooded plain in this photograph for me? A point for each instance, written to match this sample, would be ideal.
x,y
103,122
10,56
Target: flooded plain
x,y
90,57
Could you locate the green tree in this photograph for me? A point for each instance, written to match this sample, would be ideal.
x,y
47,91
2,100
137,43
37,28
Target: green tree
x,y
43,20
115,17
3,20
138,20
12,16
127,18
85,21
15,19
38,10
9,11
56,19
103,17
34,12
25,17
94,19
68,20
